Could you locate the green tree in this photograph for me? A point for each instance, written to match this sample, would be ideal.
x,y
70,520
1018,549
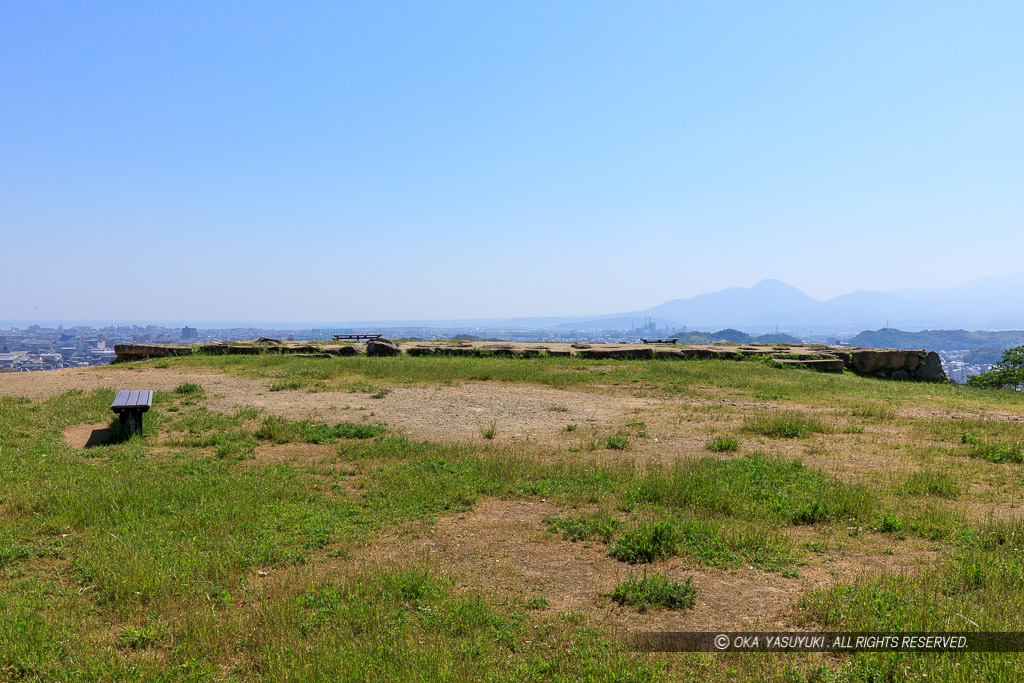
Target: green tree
x,y
1008,372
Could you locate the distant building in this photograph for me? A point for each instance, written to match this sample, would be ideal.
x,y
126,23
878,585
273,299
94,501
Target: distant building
x,y
189,333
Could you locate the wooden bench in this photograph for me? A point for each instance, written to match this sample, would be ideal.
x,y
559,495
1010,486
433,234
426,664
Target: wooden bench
x,y
357,337
673,340
130,405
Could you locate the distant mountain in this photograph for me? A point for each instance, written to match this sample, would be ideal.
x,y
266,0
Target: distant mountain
x,y
989,303
766,304
938,340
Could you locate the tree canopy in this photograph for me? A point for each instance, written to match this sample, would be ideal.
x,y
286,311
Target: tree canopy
x,y
1007,373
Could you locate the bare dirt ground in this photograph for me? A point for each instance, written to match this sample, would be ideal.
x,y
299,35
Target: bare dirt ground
x,y
519,412
503,547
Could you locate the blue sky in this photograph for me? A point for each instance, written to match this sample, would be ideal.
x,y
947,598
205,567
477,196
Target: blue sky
x,y
343,161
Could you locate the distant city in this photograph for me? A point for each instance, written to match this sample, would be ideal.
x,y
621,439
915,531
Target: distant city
x,y
44,348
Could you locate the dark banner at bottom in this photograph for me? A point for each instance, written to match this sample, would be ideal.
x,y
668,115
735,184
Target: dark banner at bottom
x,y
682,641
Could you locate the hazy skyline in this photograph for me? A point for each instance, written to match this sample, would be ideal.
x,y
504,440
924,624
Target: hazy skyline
x,y
342,161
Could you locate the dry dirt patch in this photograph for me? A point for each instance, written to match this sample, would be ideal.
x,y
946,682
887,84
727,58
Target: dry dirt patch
x,y
519,412
87,436
502,549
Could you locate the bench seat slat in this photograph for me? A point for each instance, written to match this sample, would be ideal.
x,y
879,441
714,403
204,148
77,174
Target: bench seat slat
x,y
136,399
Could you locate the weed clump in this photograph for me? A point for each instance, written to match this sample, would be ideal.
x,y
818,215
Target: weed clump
x,y
600,525
724,444
287,385
189,389
655,590
992,451
937,484
645,543
538,602
786,426
279,430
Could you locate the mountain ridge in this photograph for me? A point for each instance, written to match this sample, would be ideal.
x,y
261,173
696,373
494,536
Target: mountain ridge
x,y
987,303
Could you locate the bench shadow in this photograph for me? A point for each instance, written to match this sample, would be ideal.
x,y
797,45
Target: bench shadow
x,y
98,437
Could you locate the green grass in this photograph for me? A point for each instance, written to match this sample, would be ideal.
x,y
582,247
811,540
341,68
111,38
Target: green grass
x,y
189,389
723,444
655,590
536,602
280,430
929,483
752,487
601,526
162,551
288,385
665,376
993,451
873,411
183,558
789,425
710,542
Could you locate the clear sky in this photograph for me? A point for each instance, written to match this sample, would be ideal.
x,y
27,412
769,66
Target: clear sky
x,y
407,160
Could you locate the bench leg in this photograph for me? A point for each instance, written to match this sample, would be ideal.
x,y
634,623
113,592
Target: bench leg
x,y
133,421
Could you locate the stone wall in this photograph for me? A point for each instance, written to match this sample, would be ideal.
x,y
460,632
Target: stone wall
x,y
897,364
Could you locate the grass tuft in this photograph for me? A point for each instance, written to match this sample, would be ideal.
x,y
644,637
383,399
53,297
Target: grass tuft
x,y
189,389
655,590
724,444
600,525
786,426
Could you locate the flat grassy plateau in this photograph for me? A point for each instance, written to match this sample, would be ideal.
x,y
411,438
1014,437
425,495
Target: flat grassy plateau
x,y
290,519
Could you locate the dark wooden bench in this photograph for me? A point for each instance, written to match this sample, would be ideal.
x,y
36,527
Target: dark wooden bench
x,y
130,405
673,340
357,337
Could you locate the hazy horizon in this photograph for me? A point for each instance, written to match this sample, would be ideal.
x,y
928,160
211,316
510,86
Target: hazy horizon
x,y
465,321
346,162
